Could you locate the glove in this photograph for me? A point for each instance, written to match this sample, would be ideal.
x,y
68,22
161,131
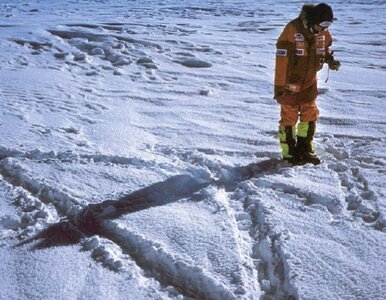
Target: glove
x,y
334,64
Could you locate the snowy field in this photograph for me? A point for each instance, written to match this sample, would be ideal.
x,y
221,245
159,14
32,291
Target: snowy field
x,y
158,117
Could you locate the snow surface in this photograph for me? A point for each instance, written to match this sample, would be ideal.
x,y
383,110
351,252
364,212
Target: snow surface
x,y
139,156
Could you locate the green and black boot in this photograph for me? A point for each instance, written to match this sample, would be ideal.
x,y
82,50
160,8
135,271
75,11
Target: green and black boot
x,y
304,146
287,136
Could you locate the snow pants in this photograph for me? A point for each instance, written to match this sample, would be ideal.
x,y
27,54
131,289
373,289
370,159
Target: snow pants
x,y
297,137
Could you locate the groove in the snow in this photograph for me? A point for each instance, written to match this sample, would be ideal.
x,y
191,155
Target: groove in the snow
x,y
70,156
273,270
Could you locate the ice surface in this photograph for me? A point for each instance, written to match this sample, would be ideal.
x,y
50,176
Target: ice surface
x,y
139,156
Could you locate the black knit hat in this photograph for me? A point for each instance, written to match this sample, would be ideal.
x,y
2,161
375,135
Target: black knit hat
x,y
322,12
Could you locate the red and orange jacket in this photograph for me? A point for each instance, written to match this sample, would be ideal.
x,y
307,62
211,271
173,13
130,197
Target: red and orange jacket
x,y
300,54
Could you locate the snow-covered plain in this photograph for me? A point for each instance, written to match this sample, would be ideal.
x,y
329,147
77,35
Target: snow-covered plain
x,y
166,108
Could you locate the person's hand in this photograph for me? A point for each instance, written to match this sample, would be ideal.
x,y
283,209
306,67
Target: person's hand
x,y
334,65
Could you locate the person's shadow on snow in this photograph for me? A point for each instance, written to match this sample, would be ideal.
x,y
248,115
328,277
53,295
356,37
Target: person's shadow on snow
x,y
90,220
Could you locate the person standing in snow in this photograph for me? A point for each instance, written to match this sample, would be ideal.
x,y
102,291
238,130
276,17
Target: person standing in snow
x,y
301,50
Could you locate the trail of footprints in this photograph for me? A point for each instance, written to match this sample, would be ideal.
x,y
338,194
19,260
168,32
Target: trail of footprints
x,y
361,198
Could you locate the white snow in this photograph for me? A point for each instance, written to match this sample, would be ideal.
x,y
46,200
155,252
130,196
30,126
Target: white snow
x,y
139,156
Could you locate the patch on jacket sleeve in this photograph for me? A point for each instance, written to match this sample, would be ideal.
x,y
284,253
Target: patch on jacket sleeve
x,y
299,37
281,52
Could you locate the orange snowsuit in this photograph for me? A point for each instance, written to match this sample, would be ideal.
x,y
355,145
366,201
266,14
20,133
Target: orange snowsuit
x,y
300,54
